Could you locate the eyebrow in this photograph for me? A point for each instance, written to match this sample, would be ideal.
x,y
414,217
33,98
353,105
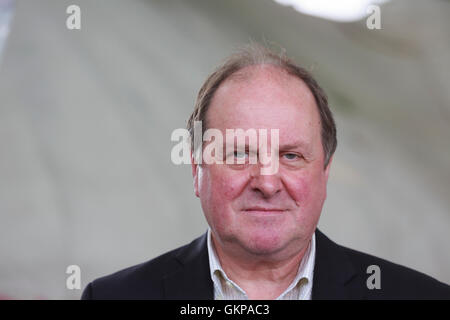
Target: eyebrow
x,y
294,145
304,146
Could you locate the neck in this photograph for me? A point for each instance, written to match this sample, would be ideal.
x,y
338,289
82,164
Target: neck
x,y
261,277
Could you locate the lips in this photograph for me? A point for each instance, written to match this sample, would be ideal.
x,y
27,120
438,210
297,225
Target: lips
x,y
263,210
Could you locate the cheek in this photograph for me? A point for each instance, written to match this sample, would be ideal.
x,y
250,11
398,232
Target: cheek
x,y
219,182
306,189
298,187
218,187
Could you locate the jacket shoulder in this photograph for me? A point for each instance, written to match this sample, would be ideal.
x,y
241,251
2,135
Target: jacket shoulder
x,y
394,281
142,281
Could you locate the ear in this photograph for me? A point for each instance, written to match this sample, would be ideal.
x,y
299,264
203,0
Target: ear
x,y
195,172
327,169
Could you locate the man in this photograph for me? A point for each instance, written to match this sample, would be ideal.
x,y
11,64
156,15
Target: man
x,y
262,242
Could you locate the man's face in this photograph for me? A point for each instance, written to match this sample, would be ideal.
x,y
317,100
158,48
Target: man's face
x,y
265,214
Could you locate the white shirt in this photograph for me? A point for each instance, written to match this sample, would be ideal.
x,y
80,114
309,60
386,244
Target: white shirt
x,y
299,289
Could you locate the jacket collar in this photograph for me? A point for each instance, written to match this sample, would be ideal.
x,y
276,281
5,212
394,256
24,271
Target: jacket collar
x,y
334,274
192,279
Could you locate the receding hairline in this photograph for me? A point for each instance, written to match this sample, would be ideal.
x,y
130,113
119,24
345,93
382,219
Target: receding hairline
x,y
247,72
274,73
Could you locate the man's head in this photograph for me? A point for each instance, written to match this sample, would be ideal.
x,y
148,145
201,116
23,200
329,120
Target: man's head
x,y
270,215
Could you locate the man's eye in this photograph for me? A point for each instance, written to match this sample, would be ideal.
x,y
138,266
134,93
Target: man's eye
x,y
291,156
240,155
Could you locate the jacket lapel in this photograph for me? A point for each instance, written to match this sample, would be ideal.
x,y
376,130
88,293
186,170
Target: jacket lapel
x,y
334,275
192,280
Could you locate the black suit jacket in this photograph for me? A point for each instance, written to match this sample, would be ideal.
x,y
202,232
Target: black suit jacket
x,y
339,273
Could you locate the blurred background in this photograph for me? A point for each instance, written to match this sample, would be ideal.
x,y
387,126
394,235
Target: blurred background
x,y
86,117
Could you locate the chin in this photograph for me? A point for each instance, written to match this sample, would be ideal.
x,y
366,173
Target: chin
x,y
263,243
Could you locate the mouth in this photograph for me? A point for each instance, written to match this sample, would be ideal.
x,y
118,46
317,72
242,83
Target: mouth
x,y
264,210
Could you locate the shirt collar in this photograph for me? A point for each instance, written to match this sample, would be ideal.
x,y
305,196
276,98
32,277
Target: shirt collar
x,y
305,269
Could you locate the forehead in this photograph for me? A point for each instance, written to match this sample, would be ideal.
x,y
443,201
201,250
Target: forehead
x,y
265,97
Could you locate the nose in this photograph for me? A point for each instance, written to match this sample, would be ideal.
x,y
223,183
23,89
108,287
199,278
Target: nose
x,y
266,185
